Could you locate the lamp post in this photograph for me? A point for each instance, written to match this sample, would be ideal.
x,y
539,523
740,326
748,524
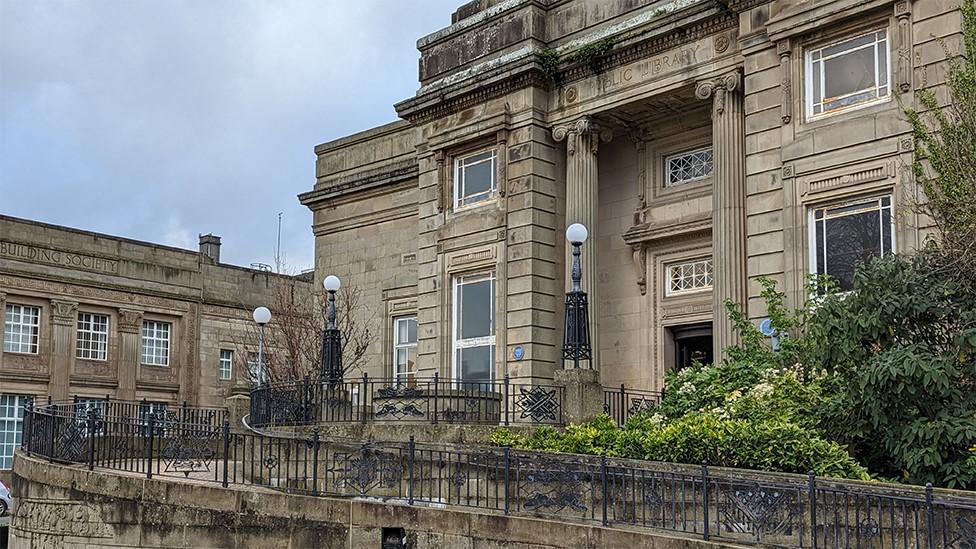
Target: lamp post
x,y
330,368
262,316
576,341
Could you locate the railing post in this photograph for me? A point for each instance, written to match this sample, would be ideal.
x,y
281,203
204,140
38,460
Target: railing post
x,y
315,461
812,487
410,458
149,444
362,397
28,425
91,438
705,498
508,467
505,401
226,450
929,516
437,384
52,428
603,486
622,413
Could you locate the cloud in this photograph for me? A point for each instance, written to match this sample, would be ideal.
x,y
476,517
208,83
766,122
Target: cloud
x,y
159,120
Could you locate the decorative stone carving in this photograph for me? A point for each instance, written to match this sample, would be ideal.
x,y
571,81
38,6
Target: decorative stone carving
x,y
903,14
784,50
64,313
439,159
501,138
62,518
718,88
640,263
130,321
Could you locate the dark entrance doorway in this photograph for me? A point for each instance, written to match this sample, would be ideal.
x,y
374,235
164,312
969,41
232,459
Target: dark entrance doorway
x,y
692,342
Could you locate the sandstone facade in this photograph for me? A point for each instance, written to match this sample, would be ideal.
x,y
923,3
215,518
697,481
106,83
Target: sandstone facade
x,y
705,143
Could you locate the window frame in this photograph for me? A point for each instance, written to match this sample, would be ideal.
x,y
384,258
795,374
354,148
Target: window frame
x,y
458,183
34,345
668,292
79,330
844,203
222,362
457,281
168,340
12,424
398,345
666,161
808,73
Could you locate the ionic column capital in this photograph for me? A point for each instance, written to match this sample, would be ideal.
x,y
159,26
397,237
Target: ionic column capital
x,y
583,127
717,88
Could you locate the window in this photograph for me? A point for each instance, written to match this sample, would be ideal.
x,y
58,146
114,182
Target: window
x,y
474,327
847,73
92,337
156,410
11,427
689,277
474,178
155,342
22,329
226,366
82,405
847,235
404,348
687,167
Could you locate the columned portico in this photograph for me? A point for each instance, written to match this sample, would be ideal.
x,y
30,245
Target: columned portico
x,y
729,201
582,138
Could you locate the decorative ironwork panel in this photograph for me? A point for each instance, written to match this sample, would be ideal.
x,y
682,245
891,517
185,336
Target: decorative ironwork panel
x,y
539,403
555,485
961,531
71,443
640,404
759,510
366,469
190,451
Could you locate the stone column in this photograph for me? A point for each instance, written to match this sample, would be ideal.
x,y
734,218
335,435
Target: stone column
x,y
130,345
728,202
64,321
582,139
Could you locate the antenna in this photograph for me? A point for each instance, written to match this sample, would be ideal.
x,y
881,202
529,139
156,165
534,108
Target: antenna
x,y
278,247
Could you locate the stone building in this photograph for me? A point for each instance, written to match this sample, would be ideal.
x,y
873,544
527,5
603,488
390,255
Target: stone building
x,y
704,143
93,316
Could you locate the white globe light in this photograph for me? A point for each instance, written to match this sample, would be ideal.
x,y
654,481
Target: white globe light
x,y
262,315
332,283
576,233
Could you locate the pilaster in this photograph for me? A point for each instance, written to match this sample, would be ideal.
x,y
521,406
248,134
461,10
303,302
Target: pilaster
x,y
64,319
130,342
583,137
728,202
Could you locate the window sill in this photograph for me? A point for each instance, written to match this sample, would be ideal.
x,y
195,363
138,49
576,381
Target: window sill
x,y
868,108
154,365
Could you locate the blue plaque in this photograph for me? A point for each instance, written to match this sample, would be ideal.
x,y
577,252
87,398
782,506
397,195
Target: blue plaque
x,y
518,352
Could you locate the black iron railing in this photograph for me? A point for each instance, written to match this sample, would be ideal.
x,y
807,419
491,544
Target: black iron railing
x,y
620,403
738,506
428,400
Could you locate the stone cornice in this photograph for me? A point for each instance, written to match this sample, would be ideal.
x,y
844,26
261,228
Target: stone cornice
x,y
379,177
799,18
646,234
681,27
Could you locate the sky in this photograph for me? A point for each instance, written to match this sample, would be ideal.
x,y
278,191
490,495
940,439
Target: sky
x,y
163,119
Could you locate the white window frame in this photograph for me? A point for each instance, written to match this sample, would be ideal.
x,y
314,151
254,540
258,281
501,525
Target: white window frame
x,y
28,334
12,426
82,405
668,271
157,342
225,364
812,224
459,167
667,167
399,345
95,345
484,341
808,73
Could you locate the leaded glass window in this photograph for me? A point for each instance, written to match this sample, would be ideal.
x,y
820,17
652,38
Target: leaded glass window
x,y
687,167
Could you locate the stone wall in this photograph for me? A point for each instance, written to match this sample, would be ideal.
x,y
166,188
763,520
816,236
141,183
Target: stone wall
x,y
65,507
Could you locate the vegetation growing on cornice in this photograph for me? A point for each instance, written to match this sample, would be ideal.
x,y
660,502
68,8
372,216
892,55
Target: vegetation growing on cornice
x,y
592,56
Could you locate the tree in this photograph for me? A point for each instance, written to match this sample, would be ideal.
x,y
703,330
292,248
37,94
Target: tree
x,y
293,338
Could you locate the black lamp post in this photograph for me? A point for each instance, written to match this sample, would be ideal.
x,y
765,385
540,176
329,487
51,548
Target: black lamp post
x,y
330,368
576,342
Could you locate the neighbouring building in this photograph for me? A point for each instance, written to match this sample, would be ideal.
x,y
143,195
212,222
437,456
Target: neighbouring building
x,y
94,316
704,143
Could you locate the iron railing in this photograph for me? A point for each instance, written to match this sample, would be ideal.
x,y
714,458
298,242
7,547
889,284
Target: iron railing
x,y
427,400
620,403
783,510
